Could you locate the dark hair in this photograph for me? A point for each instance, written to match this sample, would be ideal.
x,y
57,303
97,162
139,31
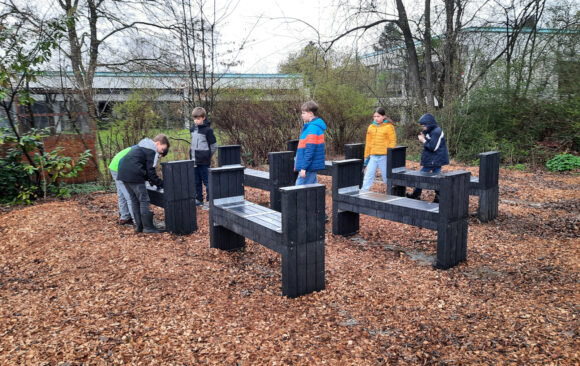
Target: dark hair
x,y
198,112
310,106
164,140
381,111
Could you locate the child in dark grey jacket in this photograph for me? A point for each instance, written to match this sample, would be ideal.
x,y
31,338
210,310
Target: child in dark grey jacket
x,y
137,167
203,146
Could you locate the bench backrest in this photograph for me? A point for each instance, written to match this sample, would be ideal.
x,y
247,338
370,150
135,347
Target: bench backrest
x,y
454,195
229,155
489,169
396,158
354,151
303,213
345,173
281,168
179,187
226,181
292,145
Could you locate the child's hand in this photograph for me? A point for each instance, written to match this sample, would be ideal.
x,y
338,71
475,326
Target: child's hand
x,y
303,173
421,138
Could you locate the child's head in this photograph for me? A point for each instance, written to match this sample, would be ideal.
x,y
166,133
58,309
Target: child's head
x,y
427,120
380,115
198,115
309,110
162,143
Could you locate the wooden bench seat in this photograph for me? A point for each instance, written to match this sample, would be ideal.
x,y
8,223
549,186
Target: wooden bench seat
x,y
485,186
394,208
297,232
449,218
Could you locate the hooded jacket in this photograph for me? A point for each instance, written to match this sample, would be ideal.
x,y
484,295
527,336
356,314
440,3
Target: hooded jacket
x,y
138,165
380,138
203,143
310,154
435,152
114,165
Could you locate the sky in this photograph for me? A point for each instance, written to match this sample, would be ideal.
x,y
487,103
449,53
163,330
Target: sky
x,y
276,28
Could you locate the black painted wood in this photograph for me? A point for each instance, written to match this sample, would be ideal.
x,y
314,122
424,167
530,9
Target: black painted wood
x,y
292,145
280,174
449,218
281,171
396,159
229,155
177,197
486,186
297,232
345,174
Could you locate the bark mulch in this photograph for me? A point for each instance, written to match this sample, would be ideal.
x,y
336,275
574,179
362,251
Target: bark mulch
x,y
77,288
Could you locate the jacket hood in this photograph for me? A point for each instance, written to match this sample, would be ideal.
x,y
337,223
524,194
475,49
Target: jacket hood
x,y
147,143
319,123
427,120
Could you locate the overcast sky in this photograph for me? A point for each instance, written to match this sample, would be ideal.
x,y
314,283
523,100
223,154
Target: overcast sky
x,y
276,28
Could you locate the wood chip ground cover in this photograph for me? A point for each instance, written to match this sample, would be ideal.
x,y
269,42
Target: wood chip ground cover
x,y
76,288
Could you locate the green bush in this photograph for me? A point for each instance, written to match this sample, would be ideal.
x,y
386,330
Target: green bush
x,y
258,120
29,171
563,163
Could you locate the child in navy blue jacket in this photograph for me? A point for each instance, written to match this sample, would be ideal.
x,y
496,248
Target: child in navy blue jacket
x,y
435,152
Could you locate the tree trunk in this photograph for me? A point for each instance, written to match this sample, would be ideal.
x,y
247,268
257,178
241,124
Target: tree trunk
x,y
427,58
414,74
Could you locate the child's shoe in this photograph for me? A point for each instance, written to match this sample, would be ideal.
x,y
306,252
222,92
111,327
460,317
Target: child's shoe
x,y
128,221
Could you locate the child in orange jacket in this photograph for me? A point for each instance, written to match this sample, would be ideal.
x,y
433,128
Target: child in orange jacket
x,y
381,135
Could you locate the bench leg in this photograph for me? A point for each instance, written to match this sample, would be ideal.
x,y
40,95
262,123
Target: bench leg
x,y
488,202
344,223
451,244
181,216
303,269
224,239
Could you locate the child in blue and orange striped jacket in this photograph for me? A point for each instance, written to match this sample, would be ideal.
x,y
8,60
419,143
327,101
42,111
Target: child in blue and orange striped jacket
x,y
310,155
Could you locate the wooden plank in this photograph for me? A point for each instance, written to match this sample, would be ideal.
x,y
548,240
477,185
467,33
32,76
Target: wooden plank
x,y
229,155
320,265
289,272
301,216
289,217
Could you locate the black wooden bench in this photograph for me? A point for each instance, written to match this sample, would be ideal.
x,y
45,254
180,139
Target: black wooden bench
x,y
280,174
486,186
177,197
449,217
351,151
297,232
